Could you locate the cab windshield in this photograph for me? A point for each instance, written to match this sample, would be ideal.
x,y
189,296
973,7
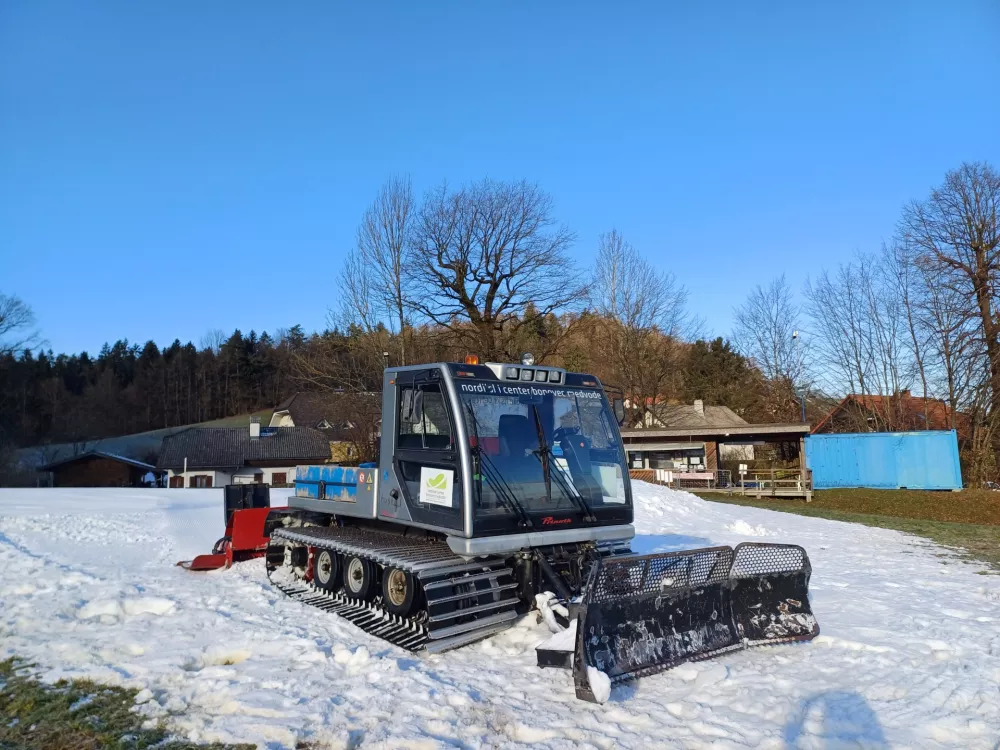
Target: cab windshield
x,y
542,449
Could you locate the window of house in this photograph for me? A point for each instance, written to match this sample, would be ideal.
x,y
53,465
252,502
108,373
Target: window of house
x,y
279,477
177,481
200,481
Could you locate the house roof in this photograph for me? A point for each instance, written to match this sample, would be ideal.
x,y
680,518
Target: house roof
x,y
735,434
316,410
232,447
98,454
693,415
915,412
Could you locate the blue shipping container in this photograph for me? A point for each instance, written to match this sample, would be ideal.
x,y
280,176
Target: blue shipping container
x,y
886,460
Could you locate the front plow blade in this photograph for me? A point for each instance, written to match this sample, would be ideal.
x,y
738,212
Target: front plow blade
x,y
643,614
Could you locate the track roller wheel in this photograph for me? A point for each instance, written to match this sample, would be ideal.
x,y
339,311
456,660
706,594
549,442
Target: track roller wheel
x,y
326,570
399,592
360,578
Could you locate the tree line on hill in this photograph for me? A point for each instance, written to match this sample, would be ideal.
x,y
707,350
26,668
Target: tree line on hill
x,y
127,388
486,268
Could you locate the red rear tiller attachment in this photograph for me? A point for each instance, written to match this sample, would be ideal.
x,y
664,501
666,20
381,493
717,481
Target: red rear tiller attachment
x,y
246,507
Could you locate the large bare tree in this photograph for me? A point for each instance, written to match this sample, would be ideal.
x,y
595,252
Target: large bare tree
x,y
957,233
489,259
16,325
645,319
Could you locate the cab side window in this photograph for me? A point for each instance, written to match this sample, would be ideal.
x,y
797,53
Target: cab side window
x,y
423,418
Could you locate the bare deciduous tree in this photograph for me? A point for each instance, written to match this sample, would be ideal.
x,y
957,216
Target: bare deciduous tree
x,y
489,259
375,273
213,340
957,233
16,325
860,337
764,331
645,319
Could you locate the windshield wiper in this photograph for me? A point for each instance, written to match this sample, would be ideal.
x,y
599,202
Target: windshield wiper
x,y
544,455
493,477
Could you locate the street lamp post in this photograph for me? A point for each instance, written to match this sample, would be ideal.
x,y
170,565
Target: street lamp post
x,y
801,392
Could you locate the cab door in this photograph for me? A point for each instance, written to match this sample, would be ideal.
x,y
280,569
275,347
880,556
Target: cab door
x,y
426,459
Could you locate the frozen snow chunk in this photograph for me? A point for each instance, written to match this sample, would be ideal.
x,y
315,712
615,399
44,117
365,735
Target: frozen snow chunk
x,y
544,602
360,656
742,527
600,684
531,734
148,605
217,656
564,640
105,609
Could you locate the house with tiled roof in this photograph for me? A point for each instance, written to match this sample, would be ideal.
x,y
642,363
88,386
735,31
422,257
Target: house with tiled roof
x,y
347,419
900,412
215,456
685,454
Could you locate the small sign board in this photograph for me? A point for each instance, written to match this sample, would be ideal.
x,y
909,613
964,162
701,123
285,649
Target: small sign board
x,y
436,486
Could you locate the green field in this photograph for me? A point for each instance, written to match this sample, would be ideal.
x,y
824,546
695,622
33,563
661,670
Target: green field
x,y
968,521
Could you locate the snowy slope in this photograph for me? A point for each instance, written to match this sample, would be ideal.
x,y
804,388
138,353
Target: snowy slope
x,y
909,656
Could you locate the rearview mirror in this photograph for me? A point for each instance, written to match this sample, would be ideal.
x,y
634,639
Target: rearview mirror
x,y
411,406
618,405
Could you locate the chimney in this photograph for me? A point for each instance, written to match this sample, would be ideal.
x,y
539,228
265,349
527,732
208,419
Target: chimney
x,y
699,407
254,428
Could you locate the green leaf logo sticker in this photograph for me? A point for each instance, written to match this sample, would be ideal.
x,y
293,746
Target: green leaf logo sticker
x,y
438,482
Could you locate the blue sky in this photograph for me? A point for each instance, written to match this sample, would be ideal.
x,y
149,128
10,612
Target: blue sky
x,y
170,168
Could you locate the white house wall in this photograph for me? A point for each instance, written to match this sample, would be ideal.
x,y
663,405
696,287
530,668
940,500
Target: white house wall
x,y
247,473
220,477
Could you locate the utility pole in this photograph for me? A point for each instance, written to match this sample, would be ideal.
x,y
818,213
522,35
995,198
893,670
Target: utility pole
x,y
802,391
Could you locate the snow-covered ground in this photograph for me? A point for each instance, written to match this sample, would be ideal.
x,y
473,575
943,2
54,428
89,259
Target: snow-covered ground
x,y
909,655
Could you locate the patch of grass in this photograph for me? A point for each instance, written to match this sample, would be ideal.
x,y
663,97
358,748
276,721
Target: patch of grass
x,y
900,510
75,715
966,506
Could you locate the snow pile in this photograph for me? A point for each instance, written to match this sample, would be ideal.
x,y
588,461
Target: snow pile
x,y
909,655
742,527
600,684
